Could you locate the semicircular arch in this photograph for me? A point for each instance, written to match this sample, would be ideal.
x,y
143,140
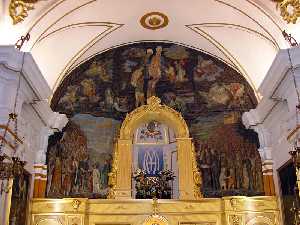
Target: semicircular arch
x,y
154,111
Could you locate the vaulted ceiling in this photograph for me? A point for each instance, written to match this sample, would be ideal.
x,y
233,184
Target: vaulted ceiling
x,y
246,34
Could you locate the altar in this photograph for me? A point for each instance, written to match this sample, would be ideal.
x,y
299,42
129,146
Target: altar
x,y
222,211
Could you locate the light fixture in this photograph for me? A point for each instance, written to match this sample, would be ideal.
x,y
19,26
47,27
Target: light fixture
x,y
290,39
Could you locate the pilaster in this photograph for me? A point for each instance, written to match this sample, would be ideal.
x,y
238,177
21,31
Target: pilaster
x,y
185,169
124,174
250,121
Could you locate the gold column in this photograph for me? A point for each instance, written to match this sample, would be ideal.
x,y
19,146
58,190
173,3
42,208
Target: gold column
x,y
185,169
123,184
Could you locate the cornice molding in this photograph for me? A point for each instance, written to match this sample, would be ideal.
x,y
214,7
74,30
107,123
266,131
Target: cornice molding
x,y
23,62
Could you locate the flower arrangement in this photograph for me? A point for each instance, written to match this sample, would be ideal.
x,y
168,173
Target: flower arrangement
x,y
148,187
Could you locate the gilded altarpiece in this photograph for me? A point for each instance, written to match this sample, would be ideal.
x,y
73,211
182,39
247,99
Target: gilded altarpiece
x,y
112,95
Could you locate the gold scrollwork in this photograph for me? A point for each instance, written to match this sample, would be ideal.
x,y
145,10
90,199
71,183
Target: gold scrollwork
x,y
261,220
175,119
112,176
196,176
289,10
76,203
156,219
235,220
18,9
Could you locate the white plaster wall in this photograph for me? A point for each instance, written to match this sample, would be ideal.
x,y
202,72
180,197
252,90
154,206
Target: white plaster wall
x,y
35,118
275,117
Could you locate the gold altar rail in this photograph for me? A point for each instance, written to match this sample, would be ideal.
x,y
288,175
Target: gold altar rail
x,y
212,211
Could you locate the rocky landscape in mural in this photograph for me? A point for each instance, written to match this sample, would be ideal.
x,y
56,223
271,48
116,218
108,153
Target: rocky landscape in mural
x,y
210,95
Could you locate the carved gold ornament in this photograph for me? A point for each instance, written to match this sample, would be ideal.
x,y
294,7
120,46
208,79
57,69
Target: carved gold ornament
x,y
112,176
289,10
76,203
235,220
18,9
197,176
154,20
158,111
156,219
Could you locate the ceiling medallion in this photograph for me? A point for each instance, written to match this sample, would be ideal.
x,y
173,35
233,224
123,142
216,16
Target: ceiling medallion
x,y
18,9
154,20
289,10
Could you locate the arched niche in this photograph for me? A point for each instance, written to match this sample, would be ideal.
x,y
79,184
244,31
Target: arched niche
x,y
188,175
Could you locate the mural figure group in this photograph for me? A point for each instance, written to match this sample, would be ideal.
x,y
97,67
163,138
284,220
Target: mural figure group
x,y
70,171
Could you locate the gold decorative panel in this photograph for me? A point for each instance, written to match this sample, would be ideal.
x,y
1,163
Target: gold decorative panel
x,y
212,211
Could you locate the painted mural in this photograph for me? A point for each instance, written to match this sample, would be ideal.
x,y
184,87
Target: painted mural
x,y
79,159
210,95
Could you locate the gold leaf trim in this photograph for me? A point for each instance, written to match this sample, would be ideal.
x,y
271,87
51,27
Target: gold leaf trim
x,y
18,9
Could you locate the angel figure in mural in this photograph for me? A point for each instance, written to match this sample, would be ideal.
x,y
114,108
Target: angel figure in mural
x,y
236,91
99,69
181,73
217,94
154,71
170,74
109,98
70,98
206,70
89,87
121,104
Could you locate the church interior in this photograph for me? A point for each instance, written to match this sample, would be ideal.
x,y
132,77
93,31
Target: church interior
x,y
139,112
